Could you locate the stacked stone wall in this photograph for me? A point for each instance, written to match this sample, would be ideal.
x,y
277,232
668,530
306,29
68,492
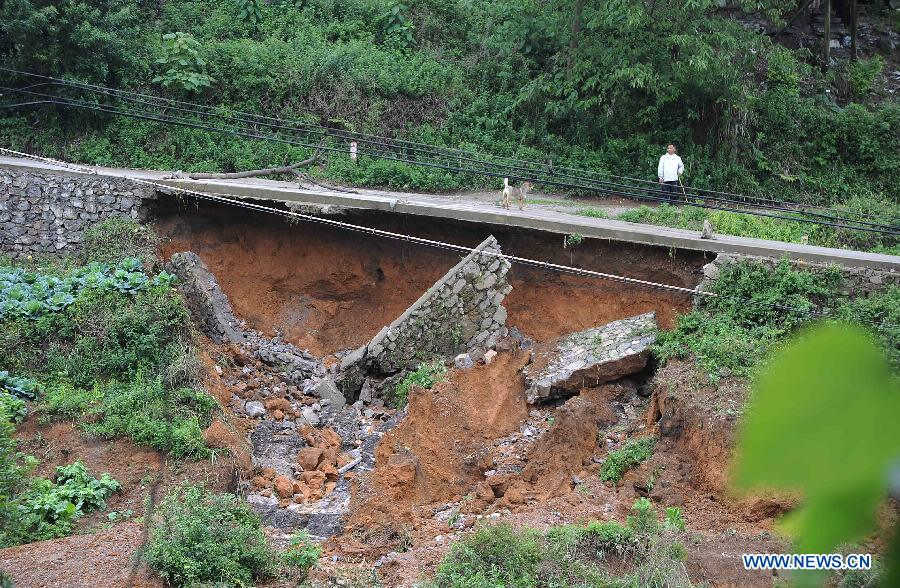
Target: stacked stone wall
x,y
47,212
463,310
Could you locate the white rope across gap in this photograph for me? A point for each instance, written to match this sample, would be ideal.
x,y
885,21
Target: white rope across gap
x,y
217,197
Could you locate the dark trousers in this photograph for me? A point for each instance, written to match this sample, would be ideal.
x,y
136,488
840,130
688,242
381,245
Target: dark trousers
x,y
669,189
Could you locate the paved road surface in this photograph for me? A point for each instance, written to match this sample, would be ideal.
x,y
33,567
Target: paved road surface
x,y
554,217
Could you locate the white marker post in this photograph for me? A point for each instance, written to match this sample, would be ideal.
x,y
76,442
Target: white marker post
x,y
353,150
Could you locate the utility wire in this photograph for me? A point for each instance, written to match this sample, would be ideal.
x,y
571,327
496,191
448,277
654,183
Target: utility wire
x,y
390,153
227,199
388,148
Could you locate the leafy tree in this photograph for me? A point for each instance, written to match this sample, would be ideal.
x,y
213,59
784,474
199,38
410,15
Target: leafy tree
x,y
823,420
93,40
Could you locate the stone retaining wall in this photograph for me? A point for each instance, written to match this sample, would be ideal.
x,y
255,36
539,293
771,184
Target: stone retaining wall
x,y
47,212
858,280
461,311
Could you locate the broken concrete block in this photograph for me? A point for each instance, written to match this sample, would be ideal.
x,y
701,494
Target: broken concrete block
x,y
589,358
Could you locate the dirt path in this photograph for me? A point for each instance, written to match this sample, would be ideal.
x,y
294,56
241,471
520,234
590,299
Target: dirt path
x,y
96,560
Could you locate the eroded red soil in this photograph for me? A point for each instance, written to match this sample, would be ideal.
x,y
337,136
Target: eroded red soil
x,y
326,289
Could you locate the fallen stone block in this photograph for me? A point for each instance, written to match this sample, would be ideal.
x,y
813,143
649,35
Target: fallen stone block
x,y
463,361
589,358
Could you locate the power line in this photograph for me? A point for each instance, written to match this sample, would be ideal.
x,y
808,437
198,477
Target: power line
x,y
417,153
603,188
394,144
226,199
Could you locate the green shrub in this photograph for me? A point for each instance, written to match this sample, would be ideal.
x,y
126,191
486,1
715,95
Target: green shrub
x,y
425,376
13,407
112,241
181,63
644,553
621,460
643,519
755,307
862,75
200,537
492,556
302,554
41,509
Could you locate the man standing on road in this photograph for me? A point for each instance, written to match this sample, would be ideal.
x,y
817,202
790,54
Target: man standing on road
x,y
669,170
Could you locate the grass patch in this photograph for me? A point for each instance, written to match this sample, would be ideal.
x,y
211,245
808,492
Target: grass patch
x,y
425,376
774,229
301,555
649,551
757,306
592,212
628,456
117,238
201,537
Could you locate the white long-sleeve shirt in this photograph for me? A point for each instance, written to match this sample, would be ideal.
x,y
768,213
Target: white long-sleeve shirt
x,y
670,167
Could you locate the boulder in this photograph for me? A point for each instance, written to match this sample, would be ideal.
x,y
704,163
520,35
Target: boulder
x,y
589,358
254,409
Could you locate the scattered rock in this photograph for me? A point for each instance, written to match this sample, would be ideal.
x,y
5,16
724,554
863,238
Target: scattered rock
x,y
489,356
254,409
463,361
308,458
284,486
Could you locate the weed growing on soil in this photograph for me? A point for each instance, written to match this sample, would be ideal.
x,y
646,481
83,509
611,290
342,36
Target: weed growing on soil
x,y
759,227
198,536
425,376
758,306
569,555
141,409
117,238
111,346
621,460
35,509
13,407
302,554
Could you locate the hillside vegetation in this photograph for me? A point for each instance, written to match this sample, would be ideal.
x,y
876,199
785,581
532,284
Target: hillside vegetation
x,y
605,90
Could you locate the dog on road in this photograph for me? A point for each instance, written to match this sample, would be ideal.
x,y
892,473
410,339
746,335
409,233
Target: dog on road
x,y
510,192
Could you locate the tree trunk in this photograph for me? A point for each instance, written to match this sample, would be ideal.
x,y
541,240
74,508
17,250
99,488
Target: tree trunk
x,y
826,6
575,37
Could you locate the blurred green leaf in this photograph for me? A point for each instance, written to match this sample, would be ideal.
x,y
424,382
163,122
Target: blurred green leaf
x,y
823,420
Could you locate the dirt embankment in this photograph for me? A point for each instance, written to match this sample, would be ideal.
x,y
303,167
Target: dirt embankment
x,y
327,289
